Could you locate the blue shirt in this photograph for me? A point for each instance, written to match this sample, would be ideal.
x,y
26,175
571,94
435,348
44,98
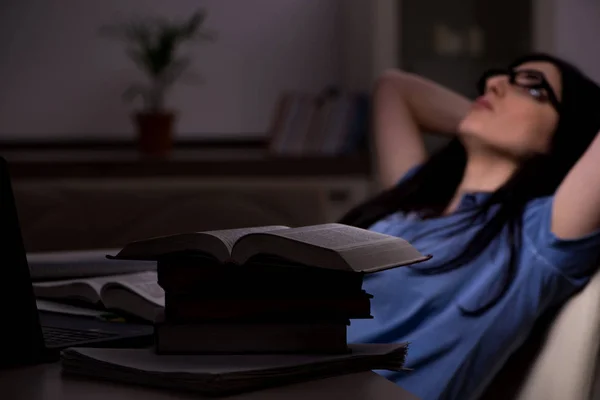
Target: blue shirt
x,y
455,355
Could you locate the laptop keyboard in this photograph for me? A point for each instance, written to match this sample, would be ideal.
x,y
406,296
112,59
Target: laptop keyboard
x,y
56,337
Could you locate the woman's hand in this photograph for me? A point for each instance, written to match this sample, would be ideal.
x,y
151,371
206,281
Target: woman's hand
x,y
404,104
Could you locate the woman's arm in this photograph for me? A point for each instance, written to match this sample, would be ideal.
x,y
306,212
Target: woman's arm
x,y
404,104
576,208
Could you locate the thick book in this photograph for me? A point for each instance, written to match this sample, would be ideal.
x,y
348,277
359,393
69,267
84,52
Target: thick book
x,y
318,337
183,308
328,246
220,375
267,276
136,294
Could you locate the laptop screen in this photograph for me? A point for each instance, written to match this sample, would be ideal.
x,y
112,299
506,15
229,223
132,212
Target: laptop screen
x,y
20,330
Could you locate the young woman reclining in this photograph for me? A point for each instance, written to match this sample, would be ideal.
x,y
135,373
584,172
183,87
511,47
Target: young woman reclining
x,y
510,211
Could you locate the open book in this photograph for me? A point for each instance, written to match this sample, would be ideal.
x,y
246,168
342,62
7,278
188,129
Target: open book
x,y
331,246
136,294
226,374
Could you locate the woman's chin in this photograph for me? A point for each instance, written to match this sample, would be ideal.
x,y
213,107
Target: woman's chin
x,y
476,143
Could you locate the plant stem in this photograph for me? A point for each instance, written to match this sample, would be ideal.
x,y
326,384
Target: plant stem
x,y
157,98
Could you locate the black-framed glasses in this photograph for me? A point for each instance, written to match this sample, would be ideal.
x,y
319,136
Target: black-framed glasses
x,y
533,81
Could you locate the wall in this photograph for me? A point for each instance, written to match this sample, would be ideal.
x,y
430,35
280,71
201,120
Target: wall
x,y
356,46
577,25
370,42
386,35
570,29
59,79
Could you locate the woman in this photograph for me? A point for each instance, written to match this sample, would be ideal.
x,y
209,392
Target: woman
x,y
510,211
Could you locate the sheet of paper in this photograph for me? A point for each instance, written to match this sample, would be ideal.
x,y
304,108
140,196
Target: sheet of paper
x,y
147,360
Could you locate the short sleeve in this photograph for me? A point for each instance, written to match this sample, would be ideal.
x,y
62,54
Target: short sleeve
x,y
409,174
576,259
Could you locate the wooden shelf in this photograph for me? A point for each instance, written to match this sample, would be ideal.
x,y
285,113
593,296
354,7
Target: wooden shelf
x,y
189,160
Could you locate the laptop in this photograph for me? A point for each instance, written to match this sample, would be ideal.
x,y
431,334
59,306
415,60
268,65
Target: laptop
x,y
29,336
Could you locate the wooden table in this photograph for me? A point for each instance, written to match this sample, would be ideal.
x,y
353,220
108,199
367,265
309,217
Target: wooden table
x,y
45,382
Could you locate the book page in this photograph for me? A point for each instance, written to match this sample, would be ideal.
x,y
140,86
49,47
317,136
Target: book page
x,y
81,289
230,236
336,236
143,284
361,249
330,246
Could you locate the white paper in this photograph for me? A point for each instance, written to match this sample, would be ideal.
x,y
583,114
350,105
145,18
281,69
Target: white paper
x,y
147,360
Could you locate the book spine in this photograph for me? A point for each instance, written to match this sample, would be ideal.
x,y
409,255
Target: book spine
x,y
262,338
243,279
178,308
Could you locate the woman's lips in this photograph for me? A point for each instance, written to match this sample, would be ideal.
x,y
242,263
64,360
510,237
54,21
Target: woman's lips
x,y
483,102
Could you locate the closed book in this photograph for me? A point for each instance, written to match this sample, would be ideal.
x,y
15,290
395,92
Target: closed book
x,y
189,309
205,277
251,337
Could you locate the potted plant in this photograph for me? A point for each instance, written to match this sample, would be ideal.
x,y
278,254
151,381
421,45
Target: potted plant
x,y
154,46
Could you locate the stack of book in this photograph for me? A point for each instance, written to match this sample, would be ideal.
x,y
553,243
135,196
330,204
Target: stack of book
x,y
266,290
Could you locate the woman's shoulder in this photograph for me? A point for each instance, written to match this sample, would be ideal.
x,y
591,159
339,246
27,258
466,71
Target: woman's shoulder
x,y
573,257
394,224
412,171
536,207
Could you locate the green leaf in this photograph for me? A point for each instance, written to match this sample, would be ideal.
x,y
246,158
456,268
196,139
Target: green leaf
x,y
205,36
190,28
175,70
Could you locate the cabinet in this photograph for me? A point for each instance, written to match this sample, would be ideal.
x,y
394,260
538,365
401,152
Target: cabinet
x,y
81,198
453,42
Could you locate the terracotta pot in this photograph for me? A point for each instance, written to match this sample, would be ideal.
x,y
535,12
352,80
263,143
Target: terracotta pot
x,y
155,132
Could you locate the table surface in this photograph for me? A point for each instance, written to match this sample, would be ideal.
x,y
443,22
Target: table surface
x,y
45,382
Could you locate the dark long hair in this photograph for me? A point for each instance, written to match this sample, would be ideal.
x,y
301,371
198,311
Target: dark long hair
x,y
434,184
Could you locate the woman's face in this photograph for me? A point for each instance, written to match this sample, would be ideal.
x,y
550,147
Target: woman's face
x,y
516,114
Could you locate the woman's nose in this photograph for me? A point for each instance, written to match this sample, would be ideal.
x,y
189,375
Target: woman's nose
x,y
497,85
